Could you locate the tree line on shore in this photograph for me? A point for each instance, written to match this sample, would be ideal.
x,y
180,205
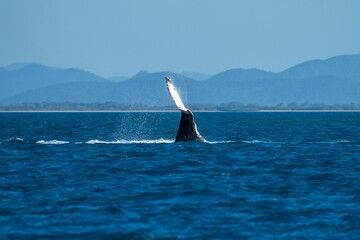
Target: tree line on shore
x,y
227,107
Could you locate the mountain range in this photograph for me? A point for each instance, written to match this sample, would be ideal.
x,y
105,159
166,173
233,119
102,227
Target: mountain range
x,y
332,81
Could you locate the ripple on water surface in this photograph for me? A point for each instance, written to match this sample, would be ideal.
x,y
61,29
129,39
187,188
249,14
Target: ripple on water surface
x,y
120,175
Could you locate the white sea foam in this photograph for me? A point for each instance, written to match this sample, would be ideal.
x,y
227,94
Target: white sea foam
x,y
220,142
315,142
15,139
256,141
332,142
54,142
142,141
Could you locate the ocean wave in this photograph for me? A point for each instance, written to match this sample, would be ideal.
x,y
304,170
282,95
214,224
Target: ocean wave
x,y
220,142
297,142
142,141
331,142
256,141
52,142
14,139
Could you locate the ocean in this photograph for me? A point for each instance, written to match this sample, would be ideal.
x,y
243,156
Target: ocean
x,y
120,175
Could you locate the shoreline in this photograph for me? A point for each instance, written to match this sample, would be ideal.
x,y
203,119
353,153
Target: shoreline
x,y
98,111
309,111
170,111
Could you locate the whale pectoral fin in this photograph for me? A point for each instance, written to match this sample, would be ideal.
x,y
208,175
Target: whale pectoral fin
x,y
187,130
175,95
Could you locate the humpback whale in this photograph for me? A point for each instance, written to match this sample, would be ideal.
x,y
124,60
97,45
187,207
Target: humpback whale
x,y
187,129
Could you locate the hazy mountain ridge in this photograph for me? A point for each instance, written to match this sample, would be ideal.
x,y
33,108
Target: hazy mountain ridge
x,y
332,81
18,65
196,75
117,78
33,76
346,66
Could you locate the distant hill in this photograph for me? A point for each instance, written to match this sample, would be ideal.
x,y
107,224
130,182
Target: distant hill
x,y
150,90
331,81
196,75
346,66
16,66
236,75
141,73
18,78
117,78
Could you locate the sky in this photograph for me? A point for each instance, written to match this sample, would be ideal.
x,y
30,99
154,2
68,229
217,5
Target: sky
x,y
122,37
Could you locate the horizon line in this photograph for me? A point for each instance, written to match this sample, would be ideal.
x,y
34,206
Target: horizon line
x,y
176,72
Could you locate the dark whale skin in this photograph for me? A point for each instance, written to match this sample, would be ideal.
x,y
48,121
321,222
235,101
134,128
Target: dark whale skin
x,y
187,129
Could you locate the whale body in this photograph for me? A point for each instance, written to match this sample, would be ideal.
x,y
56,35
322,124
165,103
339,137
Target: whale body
x,y
187,129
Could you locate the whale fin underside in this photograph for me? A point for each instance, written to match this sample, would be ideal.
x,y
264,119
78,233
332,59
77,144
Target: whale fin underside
x,y
187,128
175,95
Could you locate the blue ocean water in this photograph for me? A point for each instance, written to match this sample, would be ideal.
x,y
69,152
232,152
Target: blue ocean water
x,y
121,176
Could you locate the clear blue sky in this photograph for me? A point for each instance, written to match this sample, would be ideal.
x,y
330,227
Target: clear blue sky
x,y
121,37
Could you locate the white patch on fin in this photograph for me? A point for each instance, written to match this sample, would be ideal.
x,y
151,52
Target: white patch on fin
x,y
175,95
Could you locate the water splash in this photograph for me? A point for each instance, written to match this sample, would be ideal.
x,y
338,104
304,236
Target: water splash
x,y
52,142
330,142
220,142
14,139
142,141
256,141
297,142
